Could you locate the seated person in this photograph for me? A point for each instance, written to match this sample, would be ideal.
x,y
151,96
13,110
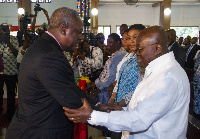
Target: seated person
x,y
89,59
108,74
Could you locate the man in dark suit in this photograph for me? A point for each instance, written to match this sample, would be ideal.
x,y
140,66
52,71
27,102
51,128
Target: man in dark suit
x,y
178,51
46,82
191,52
189,61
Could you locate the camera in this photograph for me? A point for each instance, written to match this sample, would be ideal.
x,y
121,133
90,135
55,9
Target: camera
x,y
25,20
5,31
38,8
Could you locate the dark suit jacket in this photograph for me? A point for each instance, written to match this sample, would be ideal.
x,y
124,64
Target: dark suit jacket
x,y
189,64
179,53
46,84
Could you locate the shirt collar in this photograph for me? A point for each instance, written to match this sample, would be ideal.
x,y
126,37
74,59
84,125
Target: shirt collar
x,y
170,46
158,62
54,39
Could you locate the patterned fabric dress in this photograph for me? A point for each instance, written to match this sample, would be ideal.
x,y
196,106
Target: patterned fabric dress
x,y
197,85
128,77
9,60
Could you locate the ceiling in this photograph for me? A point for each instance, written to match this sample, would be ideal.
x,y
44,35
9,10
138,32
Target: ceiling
x,y
174,2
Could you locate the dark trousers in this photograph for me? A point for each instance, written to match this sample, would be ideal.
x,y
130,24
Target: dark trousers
x,y
10,81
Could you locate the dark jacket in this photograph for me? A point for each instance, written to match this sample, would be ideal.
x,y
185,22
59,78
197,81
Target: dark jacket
x,y
1,64
179,53
46,84
189,64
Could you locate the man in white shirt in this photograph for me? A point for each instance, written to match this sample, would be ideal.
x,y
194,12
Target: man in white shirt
x,y
159,106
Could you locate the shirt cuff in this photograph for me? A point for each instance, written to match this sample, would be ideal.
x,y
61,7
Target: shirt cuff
x,y
98,118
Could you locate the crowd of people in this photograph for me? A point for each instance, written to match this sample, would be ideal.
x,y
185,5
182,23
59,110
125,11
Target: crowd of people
x,y
141,84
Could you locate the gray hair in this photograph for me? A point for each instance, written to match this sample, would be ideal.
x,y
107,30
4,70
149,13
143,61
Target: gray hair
x,y
64,16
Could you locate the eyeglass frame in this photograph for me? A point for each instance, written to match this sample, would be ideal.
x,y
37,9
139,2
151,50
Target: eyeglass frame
x,y
140,49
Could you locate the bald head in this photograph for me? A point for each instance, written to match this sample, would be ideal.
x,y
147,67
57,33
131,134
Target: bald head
x,y
151,43
154,34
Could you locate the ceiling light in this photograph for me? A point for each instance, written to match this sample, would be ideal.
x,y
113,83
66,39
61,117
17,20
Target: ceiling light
x,y
94,11
21,11
167,11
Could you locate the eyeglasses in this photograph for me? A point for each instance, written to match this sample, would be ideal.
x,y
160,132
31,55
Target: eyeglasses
x,y
139,49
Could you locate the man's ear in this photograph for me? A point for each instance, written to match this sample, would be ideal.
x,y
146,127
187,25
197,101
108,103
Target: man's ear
x,y
158,49
63,29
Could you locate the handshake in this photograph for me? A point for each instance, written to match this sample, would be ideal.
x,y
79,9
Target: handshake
x,y
83,114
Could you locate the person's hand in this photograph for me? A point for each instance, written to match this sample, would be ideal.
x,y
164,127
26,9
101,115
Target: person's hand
x,y
26,44
110,107
80,115
82,56
91,86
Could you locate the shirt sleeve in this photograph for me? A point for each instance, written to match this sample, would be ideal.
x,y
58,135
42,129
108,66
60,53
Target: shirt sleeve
x,y
19,55
146,112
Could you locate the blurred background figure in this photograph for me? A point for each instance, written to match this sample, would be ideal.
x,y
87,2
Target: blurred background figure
x,y
180,41
9,47
178,51
186,43
88,59
122,28
189,60
100,43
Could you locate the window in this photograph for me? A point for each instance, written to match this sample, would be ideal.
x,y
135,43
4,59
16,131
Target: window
x,y
118,31
185,31
105,30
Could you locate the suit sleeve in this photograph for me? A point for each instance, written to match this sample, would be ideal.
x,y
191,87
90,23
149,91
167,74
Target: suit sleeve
x,y
56,75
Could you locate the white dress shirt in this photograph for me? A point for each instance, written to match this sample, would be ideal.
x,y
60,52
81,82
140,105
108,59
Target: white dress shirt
x,y
159,106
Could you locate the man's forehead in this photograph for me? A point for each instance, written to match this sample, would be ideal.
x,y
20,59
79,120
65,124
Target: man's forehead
x,y
145,38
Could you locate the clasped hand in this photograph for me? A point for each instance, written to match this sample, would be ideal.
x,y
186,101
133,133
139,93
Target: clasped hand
x,y
83,114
